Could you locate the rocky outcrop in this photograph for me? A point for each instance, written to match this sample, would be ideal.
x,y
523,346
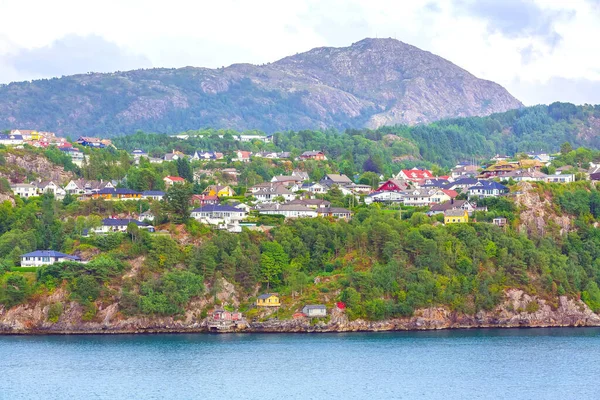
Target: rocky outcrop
x,y
24,164
517,311
373,82
537,212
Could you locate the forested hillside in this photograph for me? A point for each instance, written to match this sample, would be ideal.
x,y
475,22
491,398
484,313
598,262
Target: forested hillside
x,y
539,128
382,264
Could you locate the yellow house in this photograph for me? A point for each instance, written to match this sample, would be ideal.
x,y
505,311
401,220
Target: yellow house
x,y
268,300
456,217
219,191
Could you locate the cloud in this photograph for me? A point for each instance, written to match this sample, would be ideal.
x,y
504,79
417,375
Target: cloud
x,y
73,54
517,18
576,91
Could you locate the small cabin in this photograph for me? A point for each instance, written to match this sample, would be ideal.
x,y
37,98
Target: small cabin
x,y
220,314
315,311
501,222
268,300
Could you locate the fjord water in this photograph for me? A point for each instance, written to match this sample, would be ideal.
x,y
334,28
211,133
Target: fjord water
x,y
466,364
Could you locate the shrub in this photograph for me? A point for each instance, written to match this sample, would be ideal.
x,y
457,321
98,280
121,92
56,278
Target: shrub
x,y
55,310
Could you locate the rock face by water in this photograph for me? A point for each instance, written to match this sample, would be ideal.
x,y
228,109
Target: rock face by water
x,y
518,310
371,83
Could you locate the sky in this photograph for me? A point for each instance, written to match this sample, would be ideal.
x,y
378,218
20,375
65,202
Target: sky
x,y
540,50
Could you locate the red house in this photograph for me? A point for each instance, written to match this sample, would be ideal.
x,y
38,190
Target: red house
x,y
220,314
392,185
313,155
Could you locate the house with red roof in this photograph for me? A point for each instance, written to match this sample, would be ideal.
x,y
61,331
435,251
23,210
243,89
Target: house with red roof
x,y
393,185
204,199
243,156
172,180
416,176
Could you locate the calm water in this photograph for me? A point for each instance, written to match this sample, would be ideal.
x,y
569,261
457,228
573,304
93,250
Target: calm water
x,y
482,364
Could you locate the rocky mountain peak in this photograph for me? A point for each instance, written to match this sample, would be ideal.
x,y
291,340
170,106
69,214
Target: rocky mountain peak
x,y
370,83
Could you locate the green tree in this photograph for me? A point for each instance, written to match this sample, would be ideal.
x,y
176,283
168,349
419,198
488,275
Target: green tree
x,y
184,170
273,260
178,202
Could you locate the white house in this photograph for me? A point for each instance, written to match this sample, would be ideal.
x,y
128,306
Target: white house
x,y
384,197
560,178
215,214
11,140
120,225
153,195
82,186
487,189
172,180
24,190
50,187
314,311
45,257
288,210
270,193
314,188
146,216
242,156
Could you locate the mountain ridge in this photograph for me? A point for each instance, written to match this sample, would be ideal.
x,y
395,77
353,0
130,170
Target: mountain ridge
x,y
373,82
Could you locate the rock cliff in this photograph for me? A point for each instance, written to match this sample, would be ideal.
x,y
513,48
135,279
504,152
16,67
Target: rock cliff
x,y
371,83
517,311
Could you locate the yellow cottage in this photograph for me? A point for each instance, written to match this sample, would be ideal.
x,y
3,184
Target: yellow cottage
x,y
219,191
456,217
268,300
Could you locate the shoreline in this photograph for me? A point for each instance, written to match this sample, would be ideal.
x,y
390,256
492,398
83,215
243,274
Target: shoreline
x,y
511,314
150,332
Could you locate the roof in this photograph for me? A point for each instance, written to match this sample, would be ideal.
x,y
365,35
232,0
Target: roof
x,y
275,189
315,307
175,178
153,193
312,202
286,207
338,178
117,191
286,178
455,213
489,185
451,193
49,253
216,208
447,205
122,222
464,181
266,296
417,173
338,210
311,153
10,137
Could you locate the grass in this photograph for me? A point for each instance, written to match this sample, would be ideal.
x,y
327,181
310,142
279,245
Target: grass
x,y
24,269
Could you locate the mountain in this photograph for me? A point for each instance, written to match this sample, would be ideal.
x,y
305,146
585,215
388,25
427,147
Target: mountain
x,y
371,83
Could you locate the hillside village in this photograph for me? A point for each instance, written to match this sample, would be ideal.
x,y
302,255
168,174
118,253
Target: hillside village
x,y
220,197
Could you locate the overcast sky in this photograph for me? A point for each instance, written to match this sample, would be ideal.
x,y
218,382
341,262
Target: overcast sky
x,y
540,50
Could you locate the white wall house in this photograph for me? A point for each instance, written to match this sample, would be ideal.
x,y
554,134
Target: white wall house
x,y
120,225
289,210
215,213
560,178
40,258
24,190
315,311
269,194
50,187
